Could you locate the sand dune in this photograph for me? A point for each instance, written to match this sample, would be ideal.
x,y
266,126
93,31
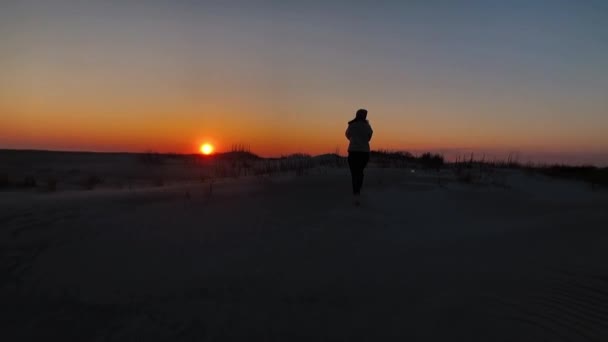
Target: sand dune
x,y
291,259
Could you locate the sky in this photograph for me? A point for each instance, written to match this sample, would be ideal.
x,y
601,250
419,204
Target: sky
x,y
493,77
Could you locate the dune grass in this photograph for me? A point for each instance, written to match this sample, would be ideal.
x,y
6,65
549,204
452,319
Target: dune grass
x,y
62,171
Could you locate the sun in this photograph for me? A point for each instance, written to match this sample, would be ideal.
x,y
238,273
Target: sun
x,y
206,149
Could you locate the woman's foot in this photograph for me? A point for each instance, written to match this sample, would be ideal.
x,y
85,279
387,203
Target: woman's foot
x,y
357,200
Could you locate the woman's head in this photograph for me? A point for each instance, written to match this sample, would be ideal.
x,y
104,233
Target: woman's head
x,y
361,114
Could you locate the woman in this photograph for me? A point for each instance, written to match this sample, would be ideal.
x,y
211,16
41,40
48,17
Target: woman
x,y
359,133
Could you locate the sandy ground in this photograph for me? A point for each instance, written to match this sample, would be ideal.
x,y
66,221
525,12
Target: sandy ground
x,y
291,259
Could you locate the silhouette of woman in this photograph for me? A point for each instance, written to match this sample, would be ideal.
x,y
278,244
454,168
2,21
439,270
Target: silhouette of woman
x,y
359,133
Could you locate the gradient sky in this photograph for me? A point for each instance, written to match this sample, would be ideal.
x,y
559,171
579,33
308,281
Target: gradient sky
x,y
285,76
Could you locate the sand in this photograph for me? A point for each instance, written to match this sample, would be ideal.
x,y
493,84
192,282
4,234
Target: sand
x,y
290,258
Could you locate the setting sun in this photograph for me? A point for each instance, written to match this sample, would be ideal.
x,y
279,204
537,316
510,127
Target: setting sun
x,y
206,149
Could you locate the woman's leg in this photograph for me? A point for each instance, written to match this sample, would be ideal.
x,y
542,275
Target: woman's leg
x,y
364,159
352,163
356,162
358,179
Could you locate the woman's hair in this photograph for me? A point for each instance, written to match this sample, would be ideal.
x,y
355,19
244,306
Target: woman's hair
x,y
360,116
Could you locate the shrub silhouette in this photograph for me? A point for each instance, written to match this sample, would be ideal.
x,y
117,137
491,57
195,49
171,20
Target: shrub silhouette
x,y
28,182
587,173
91,182
432,161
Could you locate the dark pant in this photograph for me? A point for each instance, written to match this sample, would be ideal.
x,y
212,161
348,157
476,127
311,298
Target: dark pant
x,y
357,162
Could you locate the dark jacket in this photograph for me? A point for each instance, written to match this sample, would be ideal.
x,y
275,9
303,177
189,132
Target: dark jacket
x,y
359,133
